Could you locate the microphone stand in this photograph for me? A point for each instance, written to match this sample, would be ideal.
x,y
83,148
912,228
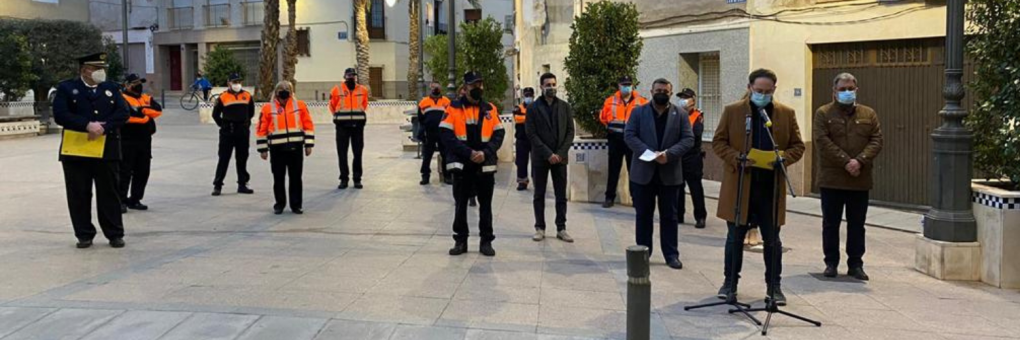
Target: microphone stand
x,y
770,303
731,300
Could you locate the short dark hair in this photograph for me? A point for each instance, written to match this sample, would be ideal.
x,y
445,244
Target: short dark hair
x,y
762,73
547,75
662,81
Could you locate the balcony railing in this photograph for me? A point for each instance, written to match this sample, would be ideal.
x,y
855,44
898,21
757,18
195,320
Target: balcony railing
x,y
181,18
217,15
254,13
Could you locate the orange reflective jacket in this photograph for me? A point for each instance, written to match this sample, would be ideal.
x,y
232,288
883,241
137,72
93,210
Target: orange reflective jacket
x,y
694,114
459,119
348,105
431,105
616,111
281,125
521,114
141,104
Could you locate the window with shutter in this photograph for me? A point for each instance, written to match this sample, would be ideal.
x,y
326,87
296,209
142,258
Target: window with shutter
x,y
709,93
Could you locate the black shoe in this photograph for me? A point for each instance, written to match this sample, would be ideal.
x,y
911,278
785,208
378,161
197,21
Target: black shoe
x,y
277,211
777,293
675,264
608,203
522,186
679,220
857,273
458,248
82,244
243,189
117,243
137,206
728,291
424,180
472,202
486,249
342,186
357,185
699,224
123,208
217,190
297,211
448,180
830,271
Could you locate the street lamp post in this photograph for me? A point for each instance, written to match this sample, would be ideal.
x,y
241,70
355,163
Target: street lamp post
x,y
124,48
950,218
451,35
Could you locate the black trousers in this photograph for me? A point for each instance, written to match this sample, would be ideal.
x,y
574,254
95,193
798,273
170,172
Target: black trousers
x,y
856,203
540,174
430,146
693,173
79,177
287,161
234,137
618,152
466,184
761,216
134,169
523,150
350,137
645,199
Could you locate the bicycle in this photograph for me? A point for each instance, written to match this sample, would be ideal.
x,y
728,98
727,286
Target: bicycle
x,y
193,98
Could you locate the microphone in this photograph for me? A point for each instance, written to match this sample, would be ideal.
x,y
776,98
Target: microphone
x,y
765,116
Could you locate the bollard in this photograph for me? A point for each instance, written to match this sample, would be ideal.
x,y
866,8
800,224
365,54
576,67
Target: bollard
x,y
316,94
162,97
639,293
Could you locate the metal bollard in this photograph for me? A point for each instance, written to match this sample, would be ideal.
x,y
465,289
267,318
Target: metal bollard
x,y
639,294
162,97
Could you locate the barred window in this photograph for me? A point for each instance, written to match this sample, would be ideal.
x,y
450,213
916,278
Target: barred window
x,y
709,92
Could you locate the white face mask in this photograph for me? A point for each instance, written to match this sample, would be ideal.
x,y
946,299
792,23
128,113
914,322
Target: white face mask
x,y
235,87
99,76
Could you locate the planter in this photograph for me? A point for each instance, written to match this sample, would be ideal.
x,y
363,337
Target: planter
x,y
588,172
508,149
997,212
18,119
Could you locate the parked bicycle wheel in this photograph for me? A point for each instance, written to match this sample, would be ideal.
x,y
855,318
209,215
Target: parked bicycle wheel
x,y
190,101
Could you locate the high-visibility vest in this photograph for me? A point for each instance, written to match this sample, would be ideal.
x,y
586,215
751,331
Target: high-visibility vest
x,y
458,119
141,104
279,125
348,105
694,115
431,105
234,109
521,115
616,111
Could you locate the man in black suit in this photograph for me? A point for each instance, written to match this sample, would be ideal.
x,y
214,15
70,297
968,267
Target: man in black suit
x,y
96,107
550,129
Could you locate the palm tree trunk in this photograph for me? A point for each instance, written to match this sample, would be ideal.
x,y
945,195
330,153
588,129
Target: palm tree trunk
x,y
414,14
290,50
267,60
361,40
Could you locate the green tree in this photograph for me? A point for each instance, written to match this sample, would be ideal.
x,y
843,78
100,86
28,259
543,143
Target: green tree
x,y
16,67
483,53
115,72
604,46
219,64
438,66
994,49
55,46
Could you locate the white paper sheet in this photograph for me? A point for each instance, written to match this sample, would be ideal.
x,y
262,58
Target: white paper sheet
x,y
649,156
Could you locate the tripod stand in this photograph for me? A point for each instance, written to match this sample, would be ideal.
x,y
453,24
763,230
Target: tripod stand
x,y
770,303
731,299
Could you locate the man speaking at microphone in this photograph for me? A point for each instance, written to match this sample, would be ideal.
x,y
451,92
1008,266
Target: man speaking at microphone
x,y
758,182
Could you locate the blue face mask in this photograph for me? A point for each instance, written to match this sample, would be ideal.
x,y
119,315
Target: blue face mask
x,y
528,100
760,100
846,97
626,89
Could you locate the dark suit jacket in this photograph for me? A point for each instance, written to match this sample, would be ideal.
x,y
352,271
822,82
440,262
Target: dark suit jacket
x,y
640,135
76,105
545,140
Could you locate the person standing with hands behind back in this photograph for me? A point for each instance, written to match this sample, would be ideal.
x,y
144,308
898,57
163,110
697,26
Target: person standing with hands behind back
x,y
285,128
550,129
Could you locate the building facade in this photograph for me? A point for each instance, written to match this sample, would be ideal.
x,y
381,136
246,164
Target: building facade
x,y
75,10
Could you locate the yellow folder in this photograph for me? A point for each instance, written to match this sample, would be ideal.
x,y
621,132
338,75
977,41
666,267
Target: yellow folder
x,y
763,159
78,144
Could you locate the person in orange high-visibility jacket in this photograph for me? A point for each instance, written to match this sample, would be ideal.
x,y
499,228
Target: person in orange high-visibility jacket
x,y
233,113
137,144
348,103
286,135
430,114
472,133
522,146
615,113
693,162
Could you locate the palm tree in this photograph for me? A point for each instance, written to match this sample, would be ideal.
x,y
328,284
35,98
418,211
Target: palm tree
x,y
361,8
290,49
414,46
270,37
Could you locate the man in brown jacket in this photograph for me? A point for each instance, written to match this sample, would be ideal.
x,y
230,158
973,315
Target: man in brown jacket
x,y
758,184
848,138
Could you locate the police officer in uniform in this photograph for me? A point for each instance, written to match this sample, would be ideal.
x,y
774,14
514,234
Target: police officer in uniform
x,y
88,104
137,146
472,133
233,113
430,114
523,147
693,163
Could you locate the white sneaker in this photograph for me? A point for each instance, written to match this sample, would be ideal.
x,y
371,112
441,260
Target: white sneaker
x,y
539,235
564,237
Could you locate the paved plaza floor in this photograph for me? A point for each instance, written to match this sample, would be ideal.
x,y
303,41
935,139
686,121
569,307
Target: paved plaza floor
x,y
373,263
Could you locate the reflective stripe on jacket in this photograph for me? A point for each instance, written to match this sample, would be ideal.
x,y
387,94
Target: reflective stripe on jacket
x,y
521,114
474,129
348,105
141,104
616,111
280,125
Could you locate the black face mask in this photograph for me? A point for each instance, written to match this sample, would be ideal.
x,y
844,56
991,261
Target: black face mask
x,y
476,94
349,82
436,92
284,95
137,89
549,92
660,99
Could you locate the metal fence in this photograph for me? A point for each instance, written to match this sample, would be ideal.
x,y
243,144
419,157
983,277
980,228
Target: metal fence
x,y
181,18
217,15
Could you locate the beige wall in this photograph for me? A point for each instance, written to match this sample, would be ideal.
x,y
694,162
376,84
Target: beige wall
x,y
77,10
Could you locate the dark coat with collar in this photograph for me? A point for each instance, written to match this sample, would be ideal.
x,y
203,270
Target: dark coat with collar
x,y
76,105
545,140
640,135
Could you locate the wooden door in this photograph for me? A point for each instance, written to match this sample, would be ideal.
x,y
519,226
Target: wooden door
x,y
175,68
375,81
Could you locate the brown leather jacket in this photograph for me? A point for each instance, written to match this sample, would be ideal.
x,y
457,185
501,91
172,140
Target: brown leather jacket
x,y
843,134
